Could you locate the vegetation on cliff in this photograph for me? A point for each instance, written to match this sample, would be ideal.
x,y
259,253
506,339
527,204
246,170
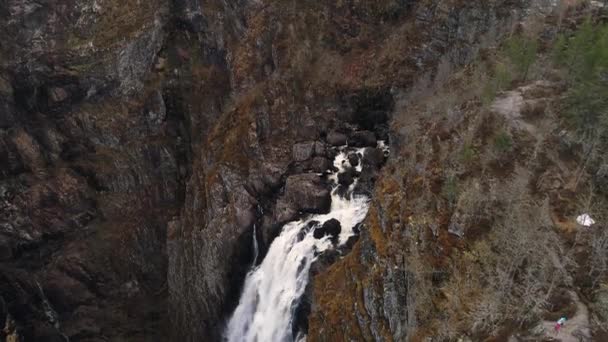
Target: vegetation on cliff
x,y
477,208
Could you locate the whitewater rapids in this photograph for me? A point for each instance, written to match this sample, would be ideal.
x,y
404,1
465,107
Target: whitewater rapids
x,y
273,290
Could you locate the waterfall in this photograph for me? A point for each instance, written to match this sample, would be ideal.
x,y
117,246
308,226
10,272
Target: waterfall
x,y
272,290
255,246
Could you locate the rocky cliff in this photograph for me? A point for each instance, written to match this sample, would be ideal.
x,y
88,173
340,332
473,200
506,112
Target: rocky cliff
x,y
142,142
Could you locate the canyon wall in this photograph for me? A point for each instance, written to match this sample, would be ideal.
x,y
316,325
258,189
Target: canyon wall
x,y
141,142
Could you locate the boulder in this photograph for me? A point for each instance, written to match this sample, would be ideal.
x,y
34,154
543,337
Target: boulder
x,y
347,177
362,139
331,227
285,211
309,192
303,193
319,233
336,139
303,151
353,159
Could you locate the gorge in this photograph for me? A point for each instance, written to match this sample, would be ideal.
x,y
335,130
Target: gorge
x,y
257,170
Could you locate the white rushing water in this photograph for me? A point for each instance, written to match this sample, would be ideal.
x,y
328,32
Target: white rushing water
x,y
273,290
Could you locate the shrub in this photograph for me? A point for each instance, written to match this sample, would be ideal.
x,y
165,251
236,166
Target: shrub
x,y
521,51
467,154
503,142
501,79
584,56
521,261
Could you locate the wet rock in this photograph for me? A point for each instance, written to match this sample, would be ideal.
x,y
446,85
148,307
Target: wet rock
x,y
347,177
336,139
331,227
311,225
320,164
350,243
319,232
362,139
303,151
353,159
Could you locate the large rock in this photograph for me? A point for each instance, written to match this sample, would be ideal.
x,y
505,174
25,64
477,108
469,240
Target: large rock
x,y
303,193
353,159
330,227
362,139
307,193
347,177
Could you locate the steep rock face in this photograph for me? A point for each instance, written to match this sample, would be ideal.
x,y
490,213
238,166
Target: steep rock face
x,y
88,178
123,123
246,152
297,73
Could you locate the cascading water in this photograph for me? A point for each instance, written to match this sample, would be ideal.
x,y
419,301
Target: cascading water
x,y
255,246
273,290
